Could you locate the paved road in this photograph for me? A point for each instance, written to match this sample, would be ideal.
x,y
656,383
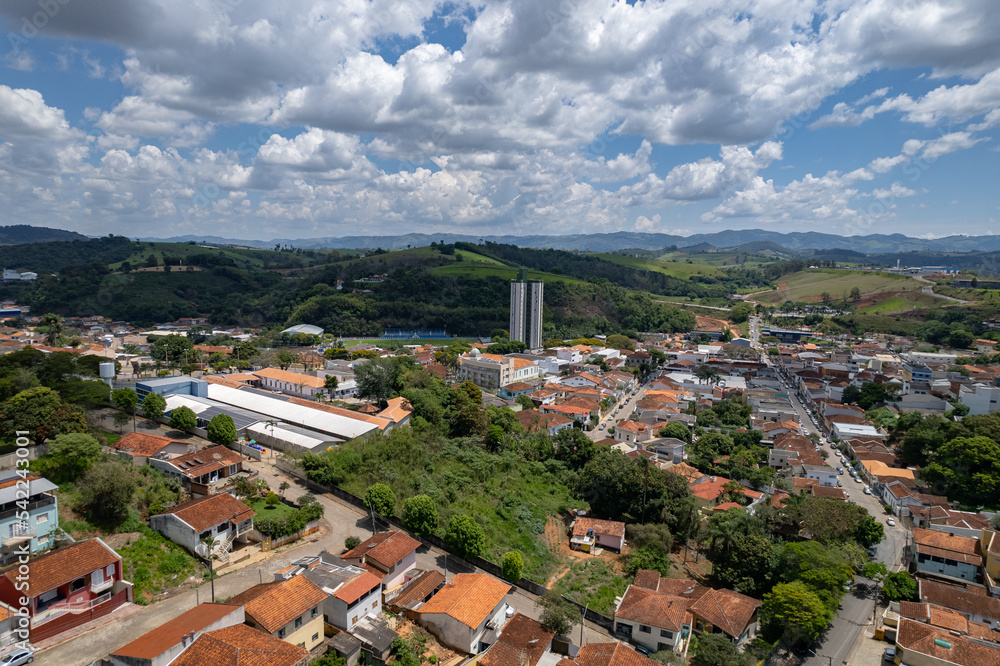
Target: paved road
x,y
840,641
624,410
343,520
930,290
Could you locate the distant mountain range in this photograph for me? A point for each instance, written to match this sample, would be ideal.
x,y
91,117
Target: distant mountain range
x,y
746,240
623,240
23,233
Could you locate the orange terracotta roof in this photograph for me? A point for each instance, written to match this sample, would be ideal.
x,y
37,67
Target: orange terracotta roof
x,y
386,548
532,420
419,589
273,605
211,459
64,565
13,481
652,608
605,527
945,541
293,378
143,444
159,640
924,639
206,512
378,421
727,610
609,654
357,588
240,645
397,410
468,598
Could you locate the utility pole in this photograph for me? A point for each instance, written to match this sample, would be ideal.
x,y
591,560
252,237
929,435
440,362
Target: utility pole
x,y
583,621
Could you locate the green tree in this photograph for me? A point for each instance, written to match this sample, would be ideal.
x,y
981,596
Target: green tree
x,y
899,586
352,542
511,566
283,486
154,405
221,430
381,499
968,468
183,418
558,614
420,515
465,537
72,454
869,531
959,339
620,342
272,500
677,430
170,348
378,379
740,312
795,612
717,650
855,294
41,412
284,359
126,400
52,326
106,492
494,438
524,401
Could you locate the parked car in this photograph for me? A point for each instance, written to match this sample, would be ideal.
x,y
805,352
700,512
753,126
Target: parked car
x,y
868,491
890,654
857,480
890,522
18,657
840,470
602,426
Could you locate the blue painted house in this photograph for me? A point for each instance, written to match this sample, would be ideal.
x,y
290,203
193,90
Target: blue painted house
x,y
33,496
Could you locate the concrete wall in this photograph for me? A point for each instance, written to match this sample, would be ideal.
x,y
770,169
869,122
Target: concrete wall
x,y
651,640
343,617
309,635
395,577
449,631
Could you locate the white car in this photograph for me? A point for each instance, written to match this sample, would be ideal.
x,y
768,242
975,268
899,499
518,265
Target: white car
x,y
18,657
890,522
868,491
857,480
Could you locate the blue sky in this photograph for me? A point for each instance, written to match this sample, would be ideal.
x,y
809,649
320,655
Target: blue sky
x,y
254,119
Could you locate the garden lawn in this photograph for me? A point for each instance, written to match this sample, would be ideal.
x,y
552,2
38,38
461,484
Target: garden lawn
x,y
592,582
280,510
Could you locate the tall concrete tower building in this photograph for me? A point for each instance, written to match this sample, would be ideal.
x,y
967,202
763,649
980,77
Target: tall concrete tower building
x,y
526,310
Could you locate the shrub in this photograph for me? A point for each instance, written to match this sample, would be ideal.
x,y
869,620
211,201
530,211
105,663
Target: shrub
x,y
352,542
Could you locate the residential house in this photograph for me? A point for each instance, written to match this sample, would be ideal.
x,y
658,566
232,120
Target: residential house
x,y
946,618
85,578
29,513
608,654
222,518
714,611
468,612
511,391
581,415
708,491
925,645
980,398
205,472
532,420
353,592
945,556
826,475
969,600
415,593
590,532
241,645
162,645
139,447
398,410
376,638
292,383
582,379
669,449
522,643
989,546
289,610
633,432
658,622
387,554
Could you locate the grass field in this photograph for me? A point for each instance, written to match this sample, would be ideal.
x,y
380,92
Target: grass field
x,y
807,286
478,258
678,268
428,341
720,259
593,583
250,258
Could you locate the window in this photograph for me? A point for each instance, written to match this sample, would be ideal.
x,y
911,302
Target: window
x,y
298,622
662,647
315,612
644,629
354,620
78,584
315,637
281,633
205,534
666,634
374,604
42,518
111,571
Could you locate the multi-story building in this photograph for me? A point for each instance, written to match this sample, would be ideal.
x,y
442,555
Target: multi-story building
x,y
526,298
493,370
32,496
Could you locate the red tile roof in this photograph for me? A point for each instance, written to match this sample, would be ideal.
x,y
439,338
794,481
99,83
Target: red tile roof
x,y
522,643
941,645
211,459
273,605
64,565
143,444
652,608
357,588
727,610
241,645
605,527
169,634
387,548
610,654
206,512
468,598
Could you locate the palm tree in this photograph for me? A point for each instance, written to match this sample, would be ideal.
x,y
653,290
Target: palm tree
x,y
707,373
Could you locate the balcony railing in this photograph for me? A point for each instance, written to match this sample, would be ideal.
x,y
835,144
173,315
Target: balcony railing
x,y
43,501
100,587
60,608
